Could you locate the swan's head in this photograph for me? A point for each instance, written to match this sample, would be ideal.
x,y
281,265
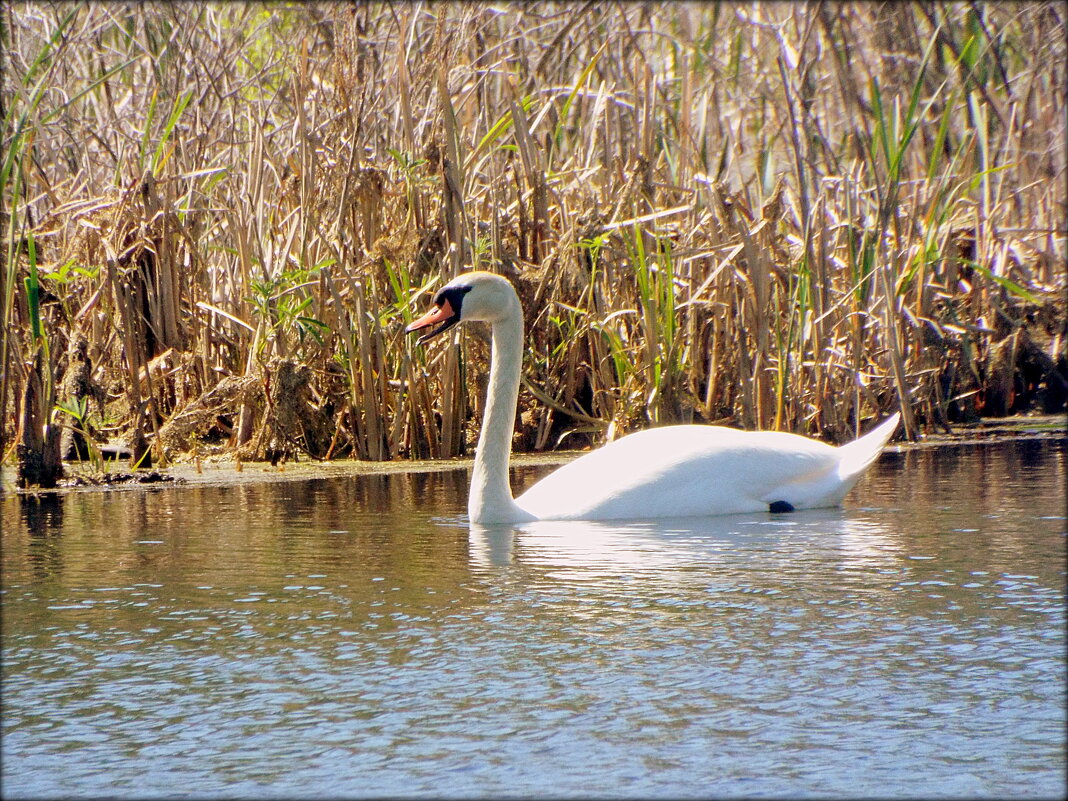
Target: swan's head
x,y
471,297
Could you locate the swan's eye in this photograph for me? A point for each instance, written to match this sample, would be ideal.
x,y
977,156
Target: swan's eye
x,y
454,295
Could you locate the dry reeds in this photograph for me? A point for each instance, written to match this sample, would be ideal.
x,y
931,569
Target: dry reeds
x,y
774,215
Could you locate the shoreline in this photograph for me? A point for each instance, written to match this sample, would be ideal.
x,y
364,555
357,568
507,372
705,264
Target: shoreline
x,y
222,470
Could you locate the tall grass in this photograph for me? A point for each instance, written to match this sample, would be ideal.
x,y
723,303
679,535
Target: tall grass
x,y
773,215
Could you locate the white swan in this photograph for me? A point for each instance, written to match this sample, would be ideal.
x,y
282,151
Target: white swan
x,y
673,471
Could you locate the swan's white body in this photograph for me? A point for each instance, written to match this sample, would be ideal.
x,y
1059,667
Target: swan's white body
x,y
674,471
687,470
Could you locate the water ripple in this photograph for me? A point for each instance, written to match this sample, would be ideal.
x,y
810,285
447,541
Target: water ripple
x,y
913,647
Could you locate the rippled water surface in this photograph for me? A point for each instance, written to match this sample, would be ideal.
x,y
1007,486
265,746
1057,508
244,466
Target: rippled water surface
x,y
352,637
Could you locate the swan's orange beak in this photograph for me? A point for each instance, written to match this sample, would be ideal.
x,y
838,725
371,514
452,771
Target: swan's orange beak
x,y
439,314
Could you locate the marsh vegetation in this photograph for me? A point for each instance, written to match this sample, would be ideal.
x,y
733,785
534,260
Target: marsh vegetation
x,y
217,218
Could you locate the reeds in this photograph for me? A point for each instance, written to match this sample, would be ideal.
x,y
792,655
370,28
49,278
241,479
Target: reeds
x,y
773,215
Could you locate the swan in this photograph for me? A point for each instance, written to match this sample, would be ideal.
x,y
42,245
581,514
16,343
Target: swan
x,y
671,471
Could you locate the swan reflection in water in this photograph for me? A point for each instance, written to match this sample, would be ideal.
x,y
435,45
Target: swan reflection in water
x,y
578,549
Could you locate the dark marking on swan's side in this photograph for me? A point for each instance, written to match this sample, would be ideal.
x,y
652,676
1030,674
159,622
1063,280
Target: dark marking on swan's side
x,y
779,507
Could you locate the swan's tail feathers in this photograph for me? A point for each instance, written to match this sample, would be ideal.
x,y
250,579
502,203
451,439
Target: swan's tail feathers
x,y
858,455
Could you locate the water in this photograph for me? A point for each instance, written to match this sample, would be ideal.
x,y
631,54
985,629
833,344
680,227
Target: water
x,y
351,637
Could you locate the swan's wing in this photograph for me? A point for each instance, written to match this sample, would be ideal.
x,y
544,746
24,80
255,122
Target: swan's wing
x,y
680,471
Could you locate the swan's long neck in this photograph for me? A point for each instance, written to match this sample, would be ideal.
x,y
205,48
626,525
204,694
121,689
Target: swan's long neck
x,y
490,499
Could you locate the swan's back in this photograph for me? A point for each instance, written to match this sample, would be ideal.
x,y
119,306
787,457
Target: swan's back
x,y
689,470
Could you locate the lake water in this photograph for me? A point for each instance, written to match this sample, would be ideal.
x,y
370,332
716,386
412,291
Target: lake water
x,y
352,637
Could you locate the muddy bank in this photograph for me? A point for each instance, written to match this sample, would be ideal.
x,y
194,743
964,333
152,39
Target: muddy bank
x,y
221,471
